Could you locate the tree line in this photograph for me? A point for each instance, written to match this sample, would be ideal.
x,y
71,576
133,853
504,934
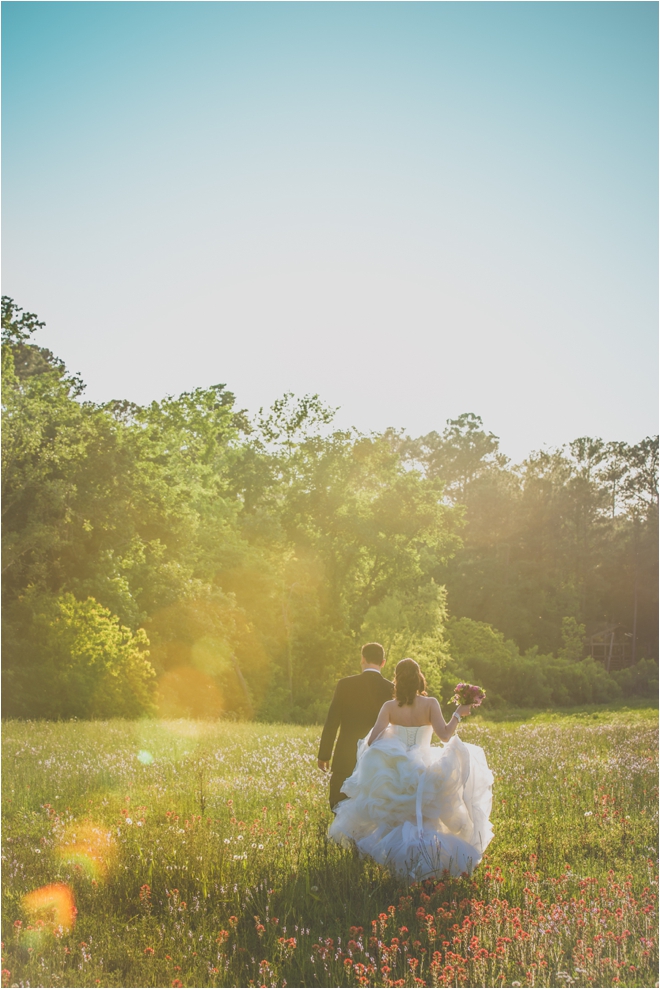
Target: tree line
x,y
185,558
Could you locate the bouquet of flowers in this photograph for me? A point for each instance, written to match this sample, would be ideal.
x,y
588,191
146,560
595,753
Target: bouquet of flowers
x,y
468,693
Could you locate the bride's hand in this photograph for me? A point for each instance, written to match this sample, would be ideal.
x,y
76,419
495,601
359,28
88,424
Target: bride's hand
x,y
464,709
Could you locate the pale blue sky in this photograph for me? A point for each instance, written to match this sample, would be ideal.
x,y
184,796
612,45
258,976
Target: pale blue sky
x,y
414,209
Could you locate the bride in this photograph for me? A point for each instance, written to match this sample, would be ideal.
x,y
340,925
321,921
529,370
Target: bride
x,y
415,809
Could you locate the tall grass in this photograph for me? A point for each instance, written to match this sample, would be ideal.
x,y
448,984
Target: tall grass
x,y
196,856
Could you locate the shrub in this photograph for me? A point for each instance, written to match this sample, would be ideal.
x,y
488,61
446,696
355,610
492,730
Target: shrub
x,y
481,653
68,658
640,680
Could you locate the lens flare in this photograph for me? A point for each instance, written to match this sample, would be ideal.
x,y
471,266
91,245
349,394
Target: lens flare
x,y
90,847
186,692
51,907
145,757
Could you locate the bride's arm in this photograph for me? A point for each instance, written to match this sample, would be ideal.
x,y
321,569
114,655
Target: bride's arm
x,y
382,721
445,729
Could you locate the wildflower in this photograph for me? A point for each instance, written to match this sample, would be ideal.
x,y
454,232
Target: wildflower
x,y
148,951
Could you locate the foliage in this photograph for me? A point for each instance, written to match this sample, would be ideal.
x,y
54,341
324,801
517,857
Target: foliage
x,y
569,533
414,629
481,654
74,659
257,556
195,854
640,680
572,636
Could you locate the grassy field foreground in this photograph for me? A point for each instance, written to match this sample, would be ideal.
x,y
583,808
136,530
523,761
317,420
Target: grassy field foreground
x,y
194,854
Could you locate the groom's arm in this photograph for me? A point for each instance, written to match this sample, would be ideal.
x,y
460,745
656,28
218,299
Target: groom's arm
x,y
330,730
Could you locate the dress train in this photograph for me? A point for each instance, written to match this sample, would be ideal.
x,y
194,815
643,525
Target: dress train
x,y
419,810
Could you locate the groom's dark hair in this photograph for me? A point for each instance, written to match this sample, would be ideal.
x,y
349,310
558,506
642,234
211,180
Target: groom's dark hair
x,y
374,653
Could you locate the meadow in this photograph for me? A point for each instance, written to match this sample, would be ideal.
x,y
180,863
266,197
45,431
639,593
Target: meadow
x,y
192,853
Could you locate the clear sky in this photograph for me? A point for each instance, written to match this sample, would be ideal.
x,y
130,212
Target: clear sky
x,y
413,209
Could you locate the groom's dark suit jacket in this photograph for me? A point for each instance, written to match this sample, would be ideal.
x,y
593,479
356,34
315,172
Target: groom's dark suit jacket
x,y
353,712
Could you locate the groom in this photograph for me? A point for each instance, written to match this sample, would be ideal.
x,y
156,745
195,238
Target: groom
x,y
353,712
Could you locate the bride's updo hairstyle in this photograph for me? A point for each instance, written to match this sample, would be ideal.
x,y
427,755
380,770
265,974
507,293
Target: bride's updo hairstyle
x,y
408,682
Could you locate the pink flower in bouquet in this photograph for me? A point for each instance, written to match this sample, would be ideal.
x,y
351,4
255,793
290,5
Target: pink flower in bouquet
x,y
468,693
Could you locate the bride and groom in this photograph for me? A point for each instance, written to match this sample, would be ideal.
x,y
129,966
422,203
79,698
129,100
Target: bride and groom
x,y
416,809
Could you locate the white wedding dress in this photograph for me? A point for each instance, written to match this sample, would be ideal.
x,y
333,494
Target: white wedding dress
x,y
416,809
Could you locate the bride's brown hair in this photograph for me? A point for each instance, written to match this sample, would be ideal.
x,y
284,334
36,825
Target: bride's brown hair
x,y
408,682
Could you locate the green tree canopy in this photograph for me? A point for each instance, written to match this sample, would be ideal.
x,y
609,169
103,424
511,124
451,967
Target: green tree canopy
x,y
251,558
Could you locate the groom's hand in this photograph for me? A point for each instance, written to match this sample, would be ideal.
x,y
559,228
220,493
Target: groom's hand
x,y
325,766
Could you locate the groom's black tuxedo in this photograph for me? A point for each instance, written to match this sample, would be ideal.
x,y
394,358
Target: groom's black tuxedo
x,y
353,711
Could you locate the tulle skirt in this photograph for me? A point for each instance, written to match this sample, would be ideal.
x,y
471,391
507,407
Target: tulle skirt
x,y
419,811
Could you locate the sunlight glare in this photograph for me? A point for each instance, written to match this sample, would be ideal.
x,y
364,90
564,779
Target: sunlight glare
x,y
90,847
52,907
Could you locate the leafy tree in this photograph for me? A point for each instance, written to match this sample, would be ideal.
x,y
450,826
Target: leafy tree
x,y
290,418
258,555
81,661
412,627
458,456
363,529
572,636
